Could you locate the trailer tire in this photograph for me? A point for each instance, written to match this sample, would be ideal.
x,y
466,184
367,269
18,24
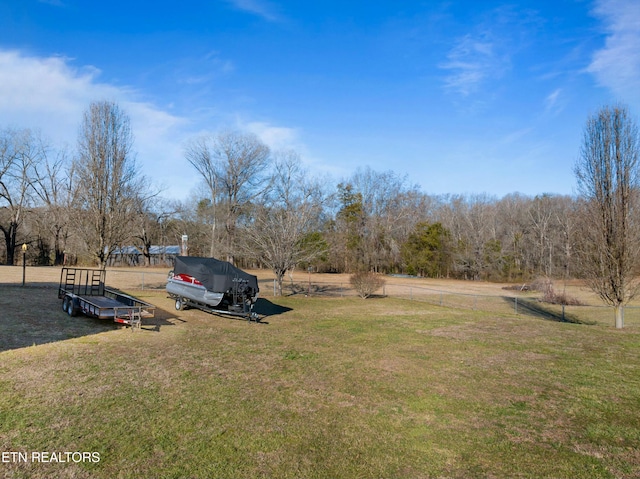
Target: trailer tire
x,y
179,304
72,310
65,303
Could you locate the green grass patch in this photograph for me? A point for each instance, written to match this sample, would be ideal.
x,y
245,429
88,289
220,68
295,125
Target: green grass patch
x,y
330,388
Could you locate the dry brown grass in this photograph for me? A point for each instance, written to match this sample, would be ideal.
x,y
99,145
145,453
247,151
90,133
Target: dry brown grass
x,y
133,278
481,296
476,295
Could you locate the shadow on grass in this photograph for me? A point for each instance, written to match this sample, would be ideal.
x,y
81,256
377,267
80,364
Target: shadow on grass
x,y
264,307
535,308
33,315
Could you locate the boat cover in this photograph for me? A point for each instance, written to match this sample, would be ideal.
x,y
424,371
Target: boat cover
x,y
215,275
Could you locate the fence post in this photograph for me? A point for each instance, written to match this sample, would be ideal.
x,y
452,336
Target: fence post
x,y
516,304
143,281
440,298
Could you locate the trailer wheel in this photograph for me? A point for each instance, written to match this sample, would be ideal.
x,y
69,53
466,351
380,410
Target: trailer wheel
x,y
65,303
179,304
72,310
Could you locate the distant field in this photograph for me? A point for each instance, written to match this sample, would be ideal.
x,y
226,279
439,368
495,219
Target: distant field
x,y
497,298
156,277
327,387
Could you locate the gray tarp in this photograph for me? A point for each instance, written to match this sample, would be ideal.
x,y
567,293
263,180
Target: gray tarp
x,y
217,276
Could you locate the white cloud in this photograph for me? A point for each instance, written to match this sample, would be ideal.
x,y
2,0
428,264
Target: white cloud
x,y
616,66
282,138
46,93
484,54
275,137
552,103
261,8
470,62
515,136
205,69
49,94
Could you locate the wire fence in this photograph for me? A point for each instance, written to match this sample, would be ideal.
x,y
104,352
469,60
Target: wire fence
x,y
510,303
138,280
507,304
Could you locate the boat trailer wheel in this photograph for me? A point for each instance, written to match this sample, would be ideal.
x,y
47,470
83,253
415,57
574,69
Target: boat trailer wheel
x,y
179,304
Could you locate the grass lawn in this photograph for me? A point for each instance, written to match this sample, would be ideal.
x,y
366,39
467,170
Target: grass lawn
x,y
340,388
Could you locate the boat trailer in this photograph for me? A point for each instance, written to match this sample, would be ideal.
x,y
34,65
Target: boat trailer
x,y
213,286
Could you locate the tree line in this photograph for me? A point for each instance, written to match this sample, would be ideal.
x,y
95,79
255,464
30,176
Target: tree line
x,y
258,207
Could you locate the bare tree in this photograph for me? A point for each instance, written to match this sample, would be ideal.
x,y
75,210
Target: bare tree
x,y
541,217
108,179
472,223
280,234
146,227
20,151
234,166
566,219
513,232
182,217
388,210
55,187
607,173
199,152
151,213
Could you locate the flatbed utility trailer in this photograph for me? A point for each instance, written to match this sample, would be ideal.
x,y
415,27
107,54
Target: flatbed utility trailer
x,y
83,291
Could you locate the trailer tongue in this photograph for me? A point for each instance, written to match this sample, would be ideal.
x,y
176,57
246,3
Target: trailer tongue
x,y
214,286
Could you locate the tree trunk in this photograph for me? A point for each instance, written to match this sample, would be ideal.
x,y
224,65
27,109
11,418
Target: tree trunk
x,y
279,278
58,250
146,253
212,250
10,242
619,309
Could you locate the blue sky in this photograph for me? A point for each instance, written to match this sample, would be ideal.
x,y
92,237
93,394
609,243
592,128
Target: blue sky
x,y
461,96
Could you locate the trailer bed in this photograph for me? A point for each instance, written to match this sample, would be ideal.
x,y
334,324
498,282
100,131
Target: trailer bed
x,y
103,301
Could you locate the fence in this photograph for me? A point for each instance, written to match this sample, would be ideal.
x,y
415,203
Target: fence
x,y
508,304
140,280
